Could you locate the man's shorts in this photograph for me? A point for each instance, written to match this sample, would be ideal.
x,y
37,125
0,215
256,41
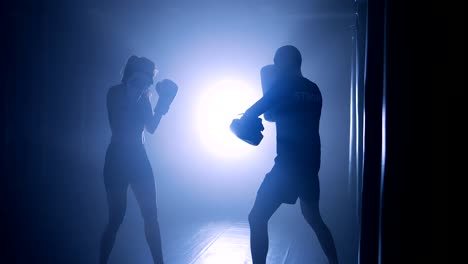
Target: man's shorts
x,y
290,179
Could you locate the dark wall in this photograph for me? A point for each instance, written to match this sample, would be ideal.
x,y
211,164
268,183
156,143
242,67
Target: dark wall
x,y
58,63
395,214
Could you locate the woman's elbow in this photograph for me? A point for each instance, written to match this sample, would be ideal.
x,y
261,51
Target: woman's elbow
x,y
152,125
151,129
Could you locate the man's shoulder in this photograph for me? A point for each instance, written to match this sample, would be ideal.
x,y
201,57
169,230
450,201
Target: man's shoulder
x,y
301,83
310,85
308,82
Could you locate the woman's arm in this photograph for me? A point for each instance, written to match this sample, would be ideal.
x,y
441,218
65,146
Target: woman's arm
x,y
152,119
167,90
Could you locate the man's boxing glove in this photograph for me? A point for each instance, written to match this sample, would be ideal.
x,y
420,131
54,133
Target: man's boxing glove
x,y
248,129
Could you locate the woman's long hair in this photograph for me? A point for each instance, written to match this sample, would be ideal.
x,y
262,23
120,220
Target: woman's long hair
x,y
137,64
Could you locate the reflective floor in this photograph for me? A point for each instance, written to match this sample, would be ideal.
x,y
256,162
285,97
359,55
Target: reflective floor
x,y
222,242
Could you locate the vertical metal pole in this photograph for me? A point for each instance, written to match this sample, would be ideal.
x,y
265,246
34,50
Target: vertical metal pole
x,y
352,116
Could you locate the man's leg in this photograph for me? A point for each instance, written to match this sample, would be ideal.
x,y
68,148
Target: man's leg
x,y
264,207
311,213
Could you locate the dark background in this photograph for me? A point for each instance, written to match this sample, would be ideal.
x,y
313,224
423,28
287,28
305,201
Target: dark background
x,y
60,57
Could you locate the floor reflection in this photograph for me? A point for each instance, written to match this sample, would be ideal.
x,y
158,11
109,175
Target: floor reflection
x,y
229,243
231,246
218,242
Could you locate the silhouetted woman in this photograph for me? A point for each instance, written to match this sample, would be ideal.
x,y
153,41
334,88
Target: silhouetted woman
x,y
126,163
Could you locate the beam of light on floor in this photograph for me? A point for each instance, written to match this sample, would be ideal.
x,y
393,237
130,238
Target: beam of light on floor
x,y
232,246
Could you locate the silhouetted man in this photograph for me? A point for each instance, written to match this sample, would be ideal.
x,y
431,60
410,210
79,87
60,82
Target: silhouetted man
x,y
295,104
126,164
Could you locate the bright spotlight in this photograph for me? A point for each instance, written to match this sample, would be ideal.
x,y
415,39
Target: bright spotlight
x,y
218,105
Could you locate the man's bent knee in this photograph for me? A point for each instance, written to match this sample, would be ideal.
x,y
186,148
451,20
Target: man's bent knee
x,y
257,219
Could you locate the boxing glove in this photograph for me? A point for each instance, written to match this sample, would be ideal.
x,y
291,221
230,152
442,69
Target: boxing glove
x,y
167,91
248,129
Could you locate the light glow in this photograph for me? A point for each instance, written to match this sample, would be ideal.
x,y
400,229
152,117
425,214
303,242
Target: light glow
x,y
218,105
